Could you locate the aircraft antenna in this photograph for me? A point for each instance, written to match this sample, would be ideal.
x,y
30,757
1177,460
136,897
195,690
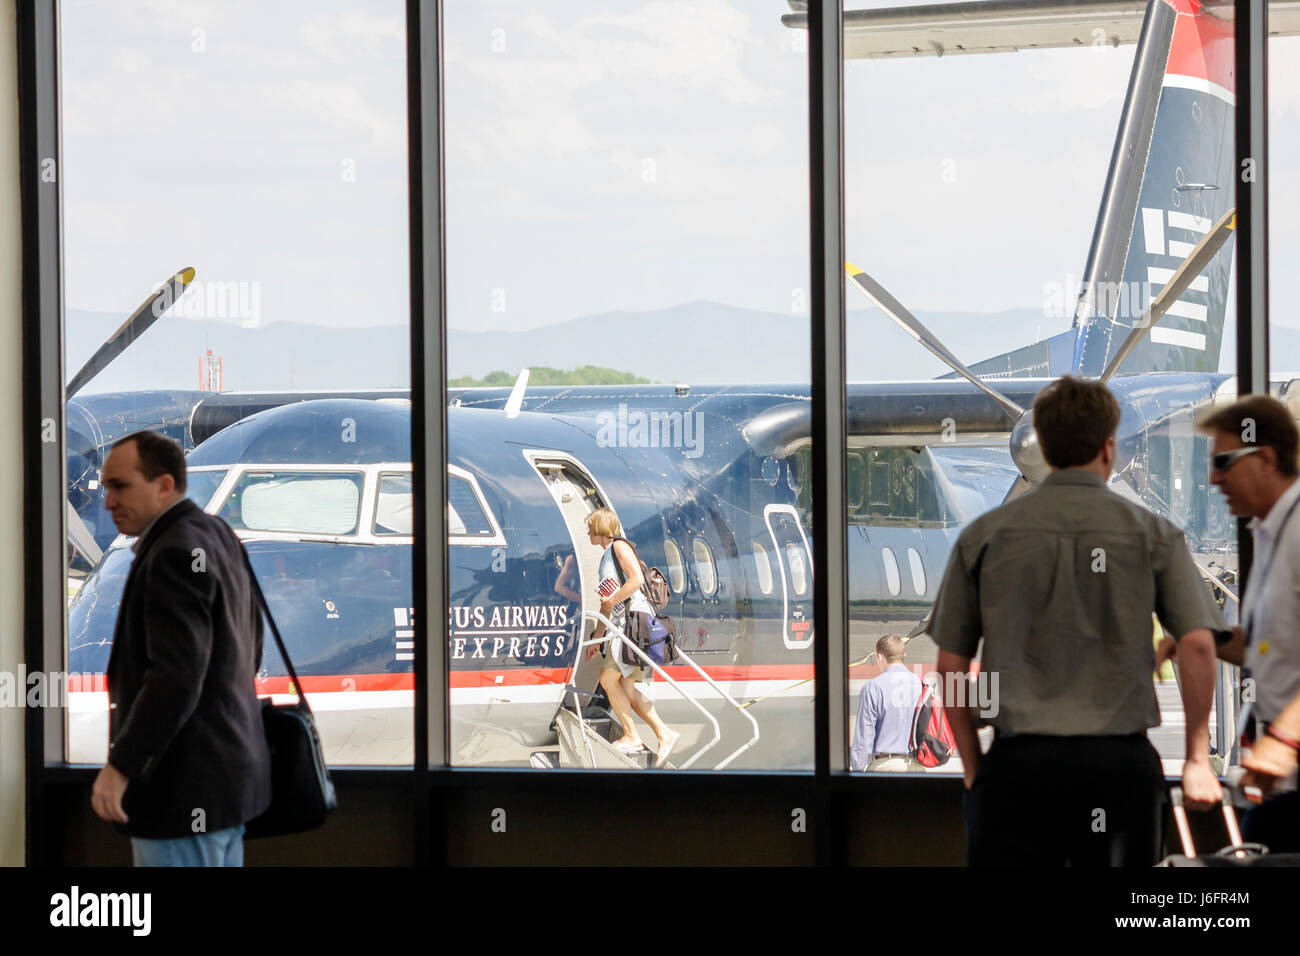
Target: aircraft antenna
x,y
516,400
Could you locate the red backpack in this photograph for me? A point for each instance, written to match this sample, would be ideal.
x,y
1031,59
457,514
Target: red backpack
x,y
931,742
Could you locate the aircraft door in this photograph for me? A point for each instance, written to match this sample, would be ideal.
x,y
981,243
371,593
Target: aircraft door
x,y
577,496
794,562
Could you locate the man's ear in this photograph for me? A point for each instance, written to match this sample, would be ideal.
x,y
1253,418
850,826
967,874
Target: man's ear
x,y
167,484
1269,455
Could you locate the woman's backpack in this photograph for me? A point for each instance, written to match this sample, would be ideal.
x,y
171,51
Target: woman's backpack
x,y
656,634
654,583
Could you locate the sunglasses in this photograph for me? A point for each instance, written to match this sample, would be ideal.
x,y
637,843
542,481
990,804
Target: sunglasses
x,y
1226,459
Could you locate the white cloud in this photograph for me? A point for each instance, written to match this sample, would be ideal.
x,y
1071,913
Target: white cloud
x,y
341,36
229,160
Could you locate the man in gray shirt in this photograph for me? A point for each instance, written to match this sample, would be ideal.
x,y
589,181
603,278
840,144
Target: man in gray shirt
x,y
1061,584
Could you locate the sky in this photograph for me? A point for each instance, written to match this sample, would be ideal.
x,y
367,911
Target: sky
x,y
634,157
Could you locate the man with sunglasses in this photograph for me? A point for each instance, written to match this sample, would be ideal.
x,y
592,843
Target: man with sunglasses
x,y
1253,463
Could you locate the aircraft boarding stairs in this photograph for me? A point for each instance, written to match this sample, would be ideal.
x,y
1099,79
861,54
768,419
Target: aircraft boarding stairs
x,y
585,726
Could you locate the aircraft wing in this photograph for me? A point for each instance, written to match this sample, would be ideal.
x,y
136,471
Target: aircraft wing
x,y
1007,26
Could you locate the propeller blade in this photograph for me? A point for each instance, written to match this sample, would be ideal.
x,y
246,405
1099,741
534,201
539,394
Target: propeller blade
x,y
1018,488
1188,270
874,291
135,325
79,537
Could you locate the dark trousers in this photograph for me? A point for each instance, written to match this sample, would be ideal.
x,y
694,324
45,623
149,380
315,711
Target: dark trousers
x,y
1275,823
1047,801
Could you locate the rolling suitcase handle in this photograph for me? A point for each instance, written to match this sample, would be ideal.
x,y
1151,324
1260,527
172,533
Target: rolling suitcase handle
x,y
1235,848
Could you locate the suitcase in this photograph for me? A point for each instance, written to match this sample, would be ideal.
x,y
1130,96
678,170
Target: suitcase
x,y
1236,853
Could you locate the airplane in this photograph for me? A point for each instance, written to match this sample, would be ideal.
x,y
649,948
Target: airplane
x,y
711,483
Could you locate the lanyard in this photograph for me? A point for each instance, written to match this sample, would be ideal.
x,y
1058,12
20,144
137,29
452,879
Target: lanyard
x,y
1248,619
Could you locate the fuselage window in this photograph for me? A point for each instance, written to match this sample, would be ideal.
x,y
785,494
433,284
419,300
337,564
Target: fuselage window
x,y
893,580
676,566
794,556
302,502
465,516
394,513
705,570
918,570
763,568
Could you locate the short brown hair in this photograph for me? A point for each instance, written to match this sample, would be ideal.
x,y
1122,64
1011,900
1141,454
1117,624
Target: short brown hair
x,y
891,648
1073,419
604,522
158,454
1259,420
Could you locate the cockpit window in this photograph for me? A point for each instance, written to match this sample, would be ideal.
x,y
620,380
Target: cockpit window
x,y
465,515
200,485
394,512
295,501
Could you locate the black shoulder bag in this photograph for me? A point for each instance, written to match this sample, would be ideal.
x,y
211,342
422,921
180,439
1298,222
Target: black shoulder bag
x,y
302,794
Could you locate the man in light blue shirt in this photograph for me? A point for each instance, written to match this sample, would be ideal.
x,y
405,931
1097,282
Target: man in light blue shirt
x,y
882,740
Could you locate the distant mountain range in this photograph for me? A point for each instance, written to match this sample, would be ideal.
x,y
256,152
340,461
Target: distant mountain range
x,y
696,343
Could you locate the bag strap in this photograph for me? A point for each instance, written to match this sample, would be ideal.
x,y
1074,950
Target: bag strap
x,y
927,694
644,588
275,631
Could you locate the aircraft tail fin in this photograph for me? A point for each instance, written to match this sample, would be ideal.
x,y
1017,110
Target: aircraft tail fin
x,y
1172,175
1180,117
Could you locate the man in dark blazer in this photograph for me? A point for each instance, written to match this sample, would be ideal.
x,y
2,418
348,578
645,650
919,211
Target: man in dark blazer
x,y
188,763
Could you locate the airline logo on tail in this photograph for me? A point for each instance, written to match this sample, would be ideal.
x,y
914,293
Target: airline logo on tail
x,y
1170,202
1159,227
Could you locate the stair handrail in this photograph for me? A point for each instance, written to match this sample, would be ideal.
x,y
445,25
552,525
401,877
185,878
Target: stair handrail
x,y
615,633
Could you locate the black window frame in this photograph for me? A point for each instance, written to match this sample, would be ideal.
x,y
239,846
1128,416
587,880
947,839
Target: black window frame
x,y
433,781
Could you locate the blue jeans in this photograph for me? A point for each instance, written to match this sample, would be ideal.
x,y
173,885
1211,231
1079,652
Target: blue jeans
x,y
222,848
